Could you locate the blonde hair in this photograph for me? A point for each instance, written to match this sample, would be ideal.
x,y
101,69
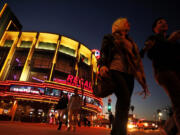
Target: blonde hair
x,y
119,24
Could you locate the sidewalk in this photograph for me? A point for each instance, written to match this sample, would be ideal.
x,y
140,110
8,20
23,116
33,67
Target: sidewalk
x,y
21,128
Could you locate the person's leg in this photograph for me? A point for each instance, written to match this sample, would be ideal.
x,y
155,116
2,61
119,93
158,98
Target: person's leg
x,y
63,112
170,127
170,81
123,93
70,122
66,117
59,119
75,120
121,116
79,120
85,122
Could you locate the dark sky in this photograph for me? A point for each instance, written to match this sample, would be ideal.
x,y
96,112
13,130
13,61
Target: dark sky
x,y
88,20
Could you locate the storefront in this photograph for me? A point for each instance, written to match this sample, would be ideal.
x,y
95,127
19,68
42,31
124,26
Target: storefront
x,y
35,102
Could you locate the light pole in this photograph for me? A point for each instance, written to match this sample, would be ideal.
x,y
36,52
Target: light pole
x,y
160,114
154,116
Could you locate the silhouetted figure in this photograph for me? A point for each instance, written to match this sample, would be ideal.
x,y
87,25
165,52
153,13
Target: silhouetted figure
x,y
165,56
111,119
89,123
120,57
85,101
85,121
62,108
74,108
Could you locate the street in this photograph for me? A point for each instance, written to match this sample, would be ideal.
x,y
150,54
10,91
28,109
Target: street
x,y
18,128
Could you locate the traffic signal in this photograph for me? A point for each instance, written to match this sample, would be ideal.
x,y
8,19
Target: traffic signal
x,y
109,105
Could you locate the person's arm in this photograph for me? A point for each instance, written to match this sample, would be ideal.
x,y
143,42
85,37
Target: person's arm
x,y
70,102
107,40
103,61
140,72
174,36
66,100
149,43
103,70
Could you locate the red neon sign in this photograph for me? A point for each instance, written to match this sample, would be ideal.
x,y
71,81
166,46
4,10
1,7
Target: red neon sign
x,y
78,82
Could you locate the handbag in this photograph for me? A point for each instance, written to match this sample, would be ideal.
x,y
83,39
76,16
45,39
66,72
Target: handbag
x,y
104,85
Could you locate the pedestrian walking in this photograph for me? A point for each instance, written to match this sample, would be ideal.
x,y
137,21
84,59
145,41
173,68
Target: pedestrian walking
x,y
120,57
52,118
111,119
62,108
74,108
85,121
163,51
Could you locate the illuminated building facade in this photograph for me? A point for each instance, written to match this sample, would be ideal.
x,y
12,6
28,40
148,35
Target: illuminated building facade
x,y
36,67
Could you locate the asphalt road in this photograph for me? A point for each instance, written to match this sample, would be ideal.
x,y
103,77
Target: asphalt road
x,y
18,128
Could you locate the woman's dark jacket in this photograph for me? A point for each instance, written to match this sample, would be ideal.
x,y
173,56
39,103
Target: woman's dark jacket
x,y
107,50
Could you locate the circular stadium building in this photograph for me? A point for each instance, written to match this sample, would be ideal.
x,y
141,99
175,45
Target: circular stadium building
x,y
36,67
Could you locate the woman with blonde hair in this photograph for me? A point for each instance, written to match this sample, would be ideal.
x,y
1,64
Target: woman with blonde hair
x,y
120,57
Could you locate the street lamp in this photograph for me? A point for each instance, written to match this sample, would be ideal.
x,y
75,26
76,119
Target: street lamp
x,y
160,114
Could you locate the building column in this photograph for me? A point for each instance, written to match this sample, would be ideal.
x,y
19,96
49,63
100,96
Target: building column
x,y
77,60
54,60
13,110
25,71
7,63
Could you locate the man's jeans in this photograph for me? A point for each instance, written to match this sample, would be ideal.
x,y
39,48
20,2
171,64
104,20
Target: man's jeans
x,y
170,81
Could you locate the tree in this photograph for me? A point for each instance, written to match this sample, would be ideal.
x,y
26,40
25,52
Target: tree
x,y
158,111
132,108
168,110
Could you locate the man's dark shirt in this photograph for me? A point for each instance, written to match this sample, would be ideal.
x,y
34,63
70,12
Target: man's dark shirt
x,y
164,54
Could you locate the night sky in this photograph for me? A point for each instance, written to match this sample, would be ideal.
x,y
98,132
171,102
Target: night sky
x,y
88,20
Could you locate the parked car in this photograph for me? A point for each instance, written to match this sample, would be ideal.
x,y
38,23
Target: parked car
x,y
101,122
145,124
131,124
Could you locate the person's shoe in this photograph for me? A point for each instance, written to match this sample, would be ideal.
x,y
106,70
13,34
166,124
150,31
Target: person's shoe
x,y
74,129
68,129
60,124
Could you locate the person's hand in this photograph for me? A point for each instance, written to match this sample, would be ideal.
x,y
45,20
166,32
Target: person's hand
x,y
142,81
174,36
145,93
103,70
149,44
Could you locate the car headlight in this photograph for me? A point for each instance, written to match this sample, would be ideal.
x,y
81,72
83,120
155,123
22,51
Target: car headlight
x,y
130,126
145,124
